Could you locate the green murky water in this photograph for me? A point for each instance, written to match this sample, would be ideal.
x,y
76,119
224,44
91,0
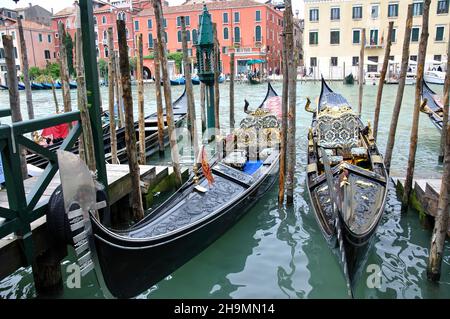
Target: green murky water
x,y
280,253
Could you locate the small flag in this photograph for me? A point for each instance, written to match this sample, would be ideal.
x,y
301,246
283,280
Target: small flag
x,y
205,167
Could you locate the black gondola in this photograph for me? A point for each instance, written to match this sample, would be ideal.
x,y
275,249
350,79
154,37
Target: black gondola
x,y
342,153
151,136
191,219
434,107
349,79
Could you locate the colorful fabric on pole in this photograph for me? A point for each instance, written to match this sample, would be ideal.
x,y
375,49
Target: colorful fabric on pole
x,y
206,168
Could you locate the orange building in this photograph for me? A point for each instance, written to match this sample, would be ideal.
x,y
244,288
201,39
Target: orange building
x,y
249,29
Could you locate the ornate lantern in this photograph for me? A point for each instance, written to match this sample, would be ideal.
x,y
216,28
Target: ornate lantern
x,y
205,49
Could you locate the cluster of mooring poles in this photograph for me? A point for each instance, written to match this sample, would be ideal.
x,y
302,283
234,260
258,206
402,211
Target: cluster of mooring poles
x,y
289,99
442,216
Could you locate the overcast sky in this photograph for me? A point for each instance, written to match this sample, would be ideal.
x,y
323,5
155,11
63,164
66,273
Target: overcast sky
x,y
61,4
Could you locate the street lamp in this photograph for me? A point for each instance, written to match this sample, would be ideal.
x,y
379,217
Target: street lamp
x,y
205,55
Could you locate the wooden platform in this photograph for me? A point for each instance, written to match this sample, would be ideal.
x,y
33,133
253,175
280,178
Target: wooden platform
x,y
427,193
11,256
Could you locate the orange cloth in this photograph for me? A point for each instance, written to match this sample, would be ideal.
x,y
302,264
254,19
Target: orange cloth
x,y
206,168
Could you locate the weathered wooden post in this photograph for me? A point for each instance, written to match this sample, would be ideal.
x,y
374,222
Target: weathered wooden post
x,y
192,126
167,92
52,82
111,86
130,136
232,61
284,119
292,85
203,105
446,106
343,72
415,125
361,70
400,90
387,53
140,84
216,66
14,98
64,69
26,78
119,93
86,137
159,103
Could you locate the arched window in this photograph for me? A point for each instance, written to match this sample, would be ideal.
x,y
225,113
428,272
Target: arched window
x,y
225,34
194,36
106,52
105,35
103,19
179,36
237,34
258,33
188,35
121,16
150,40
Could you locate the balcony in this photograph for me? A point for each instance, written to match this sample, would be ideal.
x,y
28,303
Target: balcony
x,y
374,45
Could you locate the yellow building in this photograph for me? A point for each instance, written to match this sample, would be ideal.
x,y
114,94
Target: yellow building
x,y
333,33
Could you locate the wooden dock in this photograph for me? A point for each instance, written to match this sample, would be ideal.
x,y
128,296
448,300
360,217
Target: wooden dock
x,y
426,192
11,255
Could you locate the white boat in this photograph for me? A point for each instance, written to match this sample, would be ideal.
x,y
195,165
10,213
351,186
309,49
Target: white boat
x,y
435,77
410,78
372,78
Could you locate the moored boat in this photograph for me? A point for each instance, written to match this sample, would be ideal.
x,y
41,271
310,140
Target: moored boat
x,y
346,179
178,81
434,77
349,79
433,106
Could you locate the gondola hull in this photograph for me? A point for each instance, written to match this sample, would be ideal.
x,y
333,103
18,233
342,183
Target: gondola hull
x,y
434,108
129,270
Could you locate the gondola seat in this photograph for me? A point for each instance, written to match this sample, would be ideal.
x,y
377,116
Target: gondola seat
x,y
338,130
236,159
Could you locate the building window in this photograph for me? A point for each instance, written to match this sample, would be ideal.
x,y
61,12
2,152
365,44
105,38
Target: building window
x,y
356,36
179,36
334,61
357,13
187,20
439,33
225,17
56,35
393,10
394,35
372,68
95,20
413,58
150,40
126,33
374,11
136,25
314,37
314,15
374,37
15,53
67,24
334,37
165,23
258,16
103,20
355,61
237,34
149,24
49,38
415,34
40,37
442,6
178,21
437,57
13,34
313,61
194,36
2,53
188,35
417,9
105,35
258,33
121,16
237,17
166,38
335,14
225,34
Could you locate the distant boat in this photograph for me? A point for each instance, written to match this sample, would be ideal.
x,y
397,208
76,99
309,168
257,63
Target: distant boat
x,y
221,79
196,80
434,77
72,85
372,78
37,86
21,86
4,87
349,79
178,81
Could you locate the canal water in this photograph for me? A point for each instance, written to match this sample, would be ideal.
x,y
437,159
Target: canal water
x,y
280,253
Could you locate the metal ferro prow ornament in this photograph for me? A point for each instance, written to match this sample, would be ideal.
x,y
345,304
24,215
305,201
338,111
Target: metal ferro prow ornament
x,y
80,205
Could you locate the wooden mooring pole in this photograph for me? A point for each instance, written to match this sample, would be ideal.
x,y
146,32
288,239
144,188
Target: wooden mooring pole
x,y
203,105
111,89
400,90
418,101
130,136
14,98
292,85
119,93
361,70
25,67
52,82
446,106
284,119
387,53
216,67
64,69
159,102
140,87
232,62
167,92
189,90
86,137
